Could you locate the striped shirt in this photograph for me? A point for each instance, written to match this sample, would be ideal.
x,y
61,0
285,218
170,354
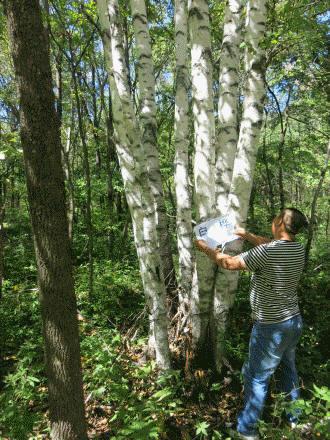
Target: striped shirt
x,y
277,267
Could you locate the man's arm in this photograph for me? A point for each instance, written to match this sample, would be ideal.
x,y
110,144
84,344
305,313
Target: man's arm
x,y
256,240
226,261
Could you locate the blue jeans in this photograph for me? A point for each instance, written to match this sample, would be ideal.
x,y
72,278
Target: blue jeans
x,y
270,344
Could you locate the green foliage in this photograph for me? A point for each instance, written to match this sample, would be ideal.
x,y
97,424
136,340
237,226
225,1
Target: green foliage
x,y
138,402
23,393
102,359
314,416
201,429
148,407
313,354
141,399
117,289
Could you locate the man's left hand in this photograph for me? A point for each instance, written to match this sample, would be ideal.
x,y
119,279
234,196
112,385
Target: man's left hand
x,y
201,245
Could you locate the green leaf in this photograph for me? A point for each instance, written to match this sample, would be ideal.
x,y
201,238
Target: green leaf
x,y
201,428
162,394
322,393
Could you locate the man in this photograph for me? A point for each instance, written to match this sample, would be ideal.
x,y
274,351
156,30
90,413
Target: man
x,y
277,266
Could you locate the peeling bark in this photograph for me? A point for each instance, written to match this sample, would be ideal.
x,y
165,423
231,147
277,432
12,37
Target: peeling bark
x,y
204,163
131,157
228,102
147,114
181,161
244,164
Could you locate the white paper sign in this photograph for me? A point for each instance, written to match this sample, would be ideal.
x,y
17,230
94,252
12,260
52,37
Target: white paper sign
x,y
216,232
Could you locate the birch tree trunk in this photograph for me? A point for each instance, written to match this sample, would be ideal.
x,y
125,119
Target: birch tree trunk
x,y
225,285
41,143
181,161
228,102
204,163
131,157
252,117
244,164
146,80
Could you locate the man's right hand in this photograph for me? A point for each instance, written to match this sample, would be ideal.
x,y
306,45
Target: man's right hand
x,y
241,232
256,240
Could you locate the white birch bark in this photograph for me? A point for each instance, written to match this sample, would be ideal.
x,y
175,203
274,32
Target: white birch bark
x,y
244,164
226,143
252,117
146,81
204,161
181,160
131,158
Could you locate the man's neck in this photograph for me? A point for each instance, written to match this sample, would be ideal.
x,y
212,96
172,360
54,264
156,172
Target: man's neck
x,y
282,235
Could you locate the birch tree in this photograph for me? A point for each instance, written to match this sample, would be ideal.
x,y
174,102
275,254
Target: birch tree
x,y
181,160
147,112
235,173
244,164
228,102
253,106
226,281
131,157
204,161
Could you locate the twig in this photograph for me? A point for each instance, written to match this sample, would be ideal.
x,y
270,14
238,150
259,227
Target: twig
x,y
306,123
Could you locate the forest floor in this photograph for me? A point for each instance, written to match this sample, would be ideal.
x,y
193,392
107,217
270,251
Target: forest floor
x,y
207,408
126,396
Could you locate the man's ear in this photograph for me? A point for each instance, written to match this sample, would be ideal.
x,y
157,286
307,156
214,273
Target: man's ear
x,y
278,221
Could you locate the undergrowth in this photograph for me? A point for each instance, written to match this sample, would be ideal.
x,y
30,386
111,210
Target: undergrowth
x,y
126,396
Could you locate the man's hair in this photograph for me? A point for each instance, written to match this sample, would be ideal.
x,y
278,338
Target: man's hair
x,y
294,220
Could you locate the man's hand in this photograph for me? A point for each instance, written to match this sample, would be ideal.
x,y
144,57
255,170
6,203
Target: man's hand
x,y
222,260
256,240
201,245
241,232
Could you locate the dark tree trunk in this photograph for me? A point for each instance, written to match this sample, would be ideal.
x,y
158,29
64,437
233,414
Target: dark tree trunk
x,y
284,127
59,86
111,162
40,137
328,221
268,173
2,217
126,48
96,124
68,173
13,203
251,203
112,165
87,173
313,206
